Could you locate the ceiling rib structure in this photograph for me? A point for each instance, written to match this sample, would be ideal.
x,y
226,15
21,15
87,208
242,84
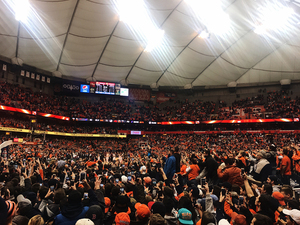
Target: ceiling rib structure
x,y
88,39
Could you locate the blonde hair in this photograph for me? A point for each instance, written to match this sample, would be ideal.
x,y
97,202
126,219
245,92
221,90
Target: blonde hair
x,y
36,220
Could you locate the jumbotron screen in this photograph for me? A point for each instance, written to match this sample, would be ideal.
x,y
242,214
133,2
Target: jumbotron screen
x,y
102,88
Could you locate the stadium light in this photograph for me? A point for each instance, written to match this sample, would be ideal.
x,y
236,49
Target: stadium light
x,y
20,8
135,15
274,17
211,14
204,34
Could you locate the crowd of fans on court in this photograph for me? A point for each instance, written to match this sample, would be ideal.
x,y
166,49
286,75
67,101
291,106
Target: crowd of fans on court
x,y
238,179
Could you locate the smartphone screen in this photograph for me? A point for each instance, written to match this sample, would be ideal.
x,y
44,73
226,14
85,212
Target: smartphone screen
x,y
52,188
203,181
129,178
223,191
101,185
117,180
85,195
121,190
23,170
242,171
82,176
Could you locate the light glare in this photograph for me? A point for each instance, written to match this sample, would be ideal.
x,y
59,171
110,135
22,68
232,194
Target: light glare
x,y
274,17
20,8
212,15
204,34
134,14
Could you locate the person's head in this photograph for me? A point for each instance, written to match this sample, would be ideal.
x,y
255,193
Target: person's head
x,y
74,197
292,204
95,214
122,219
142,211
229,161
272,179
287,192
158,208
59,195
292,216
36,220
267,189
157,219
194,161
259,219
11,210
263,202
42,192
206,152
185,217
207,218
285,151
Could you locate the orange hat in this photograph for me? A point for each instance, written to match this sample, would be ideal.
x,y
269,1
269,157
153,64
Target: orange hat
x,y
107,204
279,197
122,219
147,180
239,219
142,210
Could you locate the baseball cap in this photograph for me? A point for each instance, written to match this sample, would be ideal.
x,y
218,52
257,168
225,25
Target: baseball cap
x,y
150,204
185,216
239,219
22,199
294,214
159,208
143,169
122,219
107,204
147,180
84,222
142,210
124,179
11,208
95,214
279,197
223,222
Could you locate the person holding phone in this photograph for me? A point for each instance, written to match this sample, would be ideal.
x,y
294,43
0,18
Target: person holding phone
x,y
192,171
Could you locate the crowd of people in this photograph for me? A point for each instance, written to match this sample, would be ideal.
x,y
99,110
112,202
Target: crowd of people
x,y
279,104
238,179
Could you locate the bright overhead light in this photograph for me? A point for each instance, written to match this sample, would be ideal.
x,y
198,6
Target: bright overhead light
x,y
20,8
204,34
134,13
212,15
155,40
274,17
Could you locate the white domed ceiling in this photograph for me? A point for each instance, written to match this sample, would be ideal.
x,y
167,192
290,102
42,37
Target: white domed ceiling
x,y
156,42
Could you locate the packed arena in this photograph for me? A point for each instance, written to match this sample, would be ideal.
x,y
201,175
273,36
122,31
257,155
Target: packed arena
x,y
146,112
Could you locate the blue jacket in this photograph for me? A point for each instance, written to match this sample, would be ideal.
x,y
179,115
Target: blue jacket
x,y
170,167
62,220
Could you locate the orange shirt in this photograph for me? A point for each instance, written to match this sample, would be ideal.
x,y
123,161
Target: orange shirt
x,y
195,171
183,170
286,162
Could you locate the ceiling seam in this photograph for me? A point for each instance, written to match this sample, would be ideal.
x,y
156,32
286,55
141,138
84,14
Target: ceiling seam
x,y
274,50
176,58
187,46
102,53
220,55
18,39
143,50
67,34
